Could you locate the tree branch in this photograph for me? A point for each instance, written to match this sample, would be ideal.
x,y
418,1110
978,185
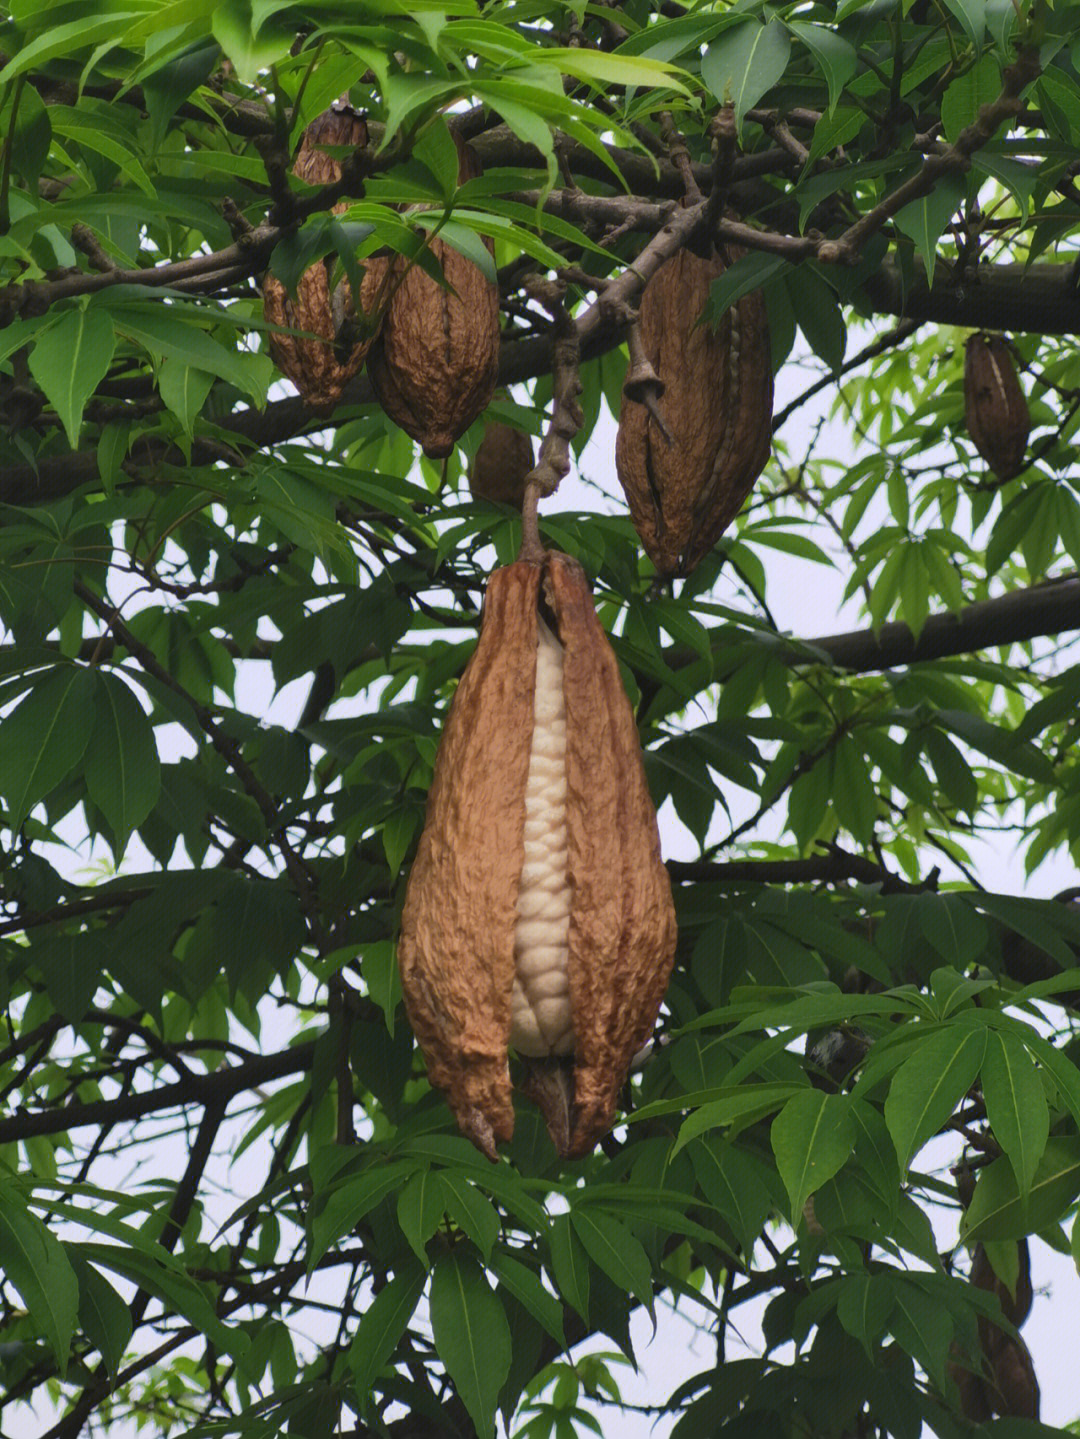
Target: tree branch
x,y
204,1089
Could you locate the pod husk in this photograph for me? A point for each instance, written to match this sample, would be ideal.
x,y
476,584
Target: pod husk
x,y
717,404
321,368
435,361
458,926
995,409
501,465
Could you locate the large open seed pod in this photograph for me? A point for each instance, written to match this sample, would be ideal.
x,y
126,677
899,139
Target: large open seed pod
x,y
538,914
995,409
717,406
434,364
321,368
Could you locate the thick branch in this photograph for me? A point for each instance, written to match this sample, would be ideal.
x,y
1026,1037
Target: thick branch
x,y
1049,609
1043,610
204,1089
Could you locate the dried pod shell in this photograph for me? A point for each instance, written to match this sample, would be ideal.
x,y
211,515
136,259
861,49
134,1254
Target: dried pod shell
x,y
717,405
540,839
995,410
321,368
502,462
434,365
1016,1303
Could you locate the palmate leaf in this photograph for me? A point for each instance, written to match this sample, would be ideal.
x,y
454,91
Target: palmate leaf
x,y
70,358
33,1259
471,1334
930,1084
123,776
45,737
812,1138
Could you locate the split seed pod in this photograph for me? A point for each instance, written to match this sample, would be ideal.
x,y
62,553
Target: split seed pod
x,y
717,404
321,368
995,409
501,465
538,914
434,365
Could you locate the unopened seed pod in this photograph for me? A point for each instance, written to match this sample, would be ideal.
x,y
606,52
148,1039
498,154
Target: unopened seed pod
x,y
434,364
320,368
501,464
995,409
538,915
685,490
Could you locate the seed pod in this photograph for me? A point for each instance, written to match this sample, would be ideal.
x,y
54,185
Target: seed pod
x,y
503,459
717,404
1015,1390
538,913
995,410
321,368
434,364
1015,1303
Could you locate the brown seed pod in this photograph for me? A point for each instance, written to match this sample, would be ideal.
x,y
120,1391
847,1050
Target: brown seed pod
x,y
503,459
995,410
434,364
321,368
538,913
717,405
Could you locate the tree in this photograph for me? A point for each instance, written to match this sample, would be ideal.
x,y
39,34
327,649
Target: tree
x,y
175,520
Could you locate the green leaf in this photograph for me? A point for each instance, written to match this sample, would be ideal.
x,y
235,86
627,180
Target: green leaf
x,y
864,1307
528,1289
420,1209
44,738
69,360
819,314
733,1184
743,1100
383,978
812,1138
31,136
972,16
176,332
382,1325
1015,1104
617,69
612,1248
998,1209
103,1316
252,48
156,1270
835,56
72,966
472,1211
35,1264
472,1337
923,220
184,390
123,776
347,1203
745,61
962,99
570,1265
930,1084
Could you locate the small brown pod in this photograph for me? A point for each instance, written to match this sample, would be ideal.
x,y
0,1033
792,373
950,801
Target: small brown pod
x,y
995,409
501,465
321,368
434,364
538,914
717,405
